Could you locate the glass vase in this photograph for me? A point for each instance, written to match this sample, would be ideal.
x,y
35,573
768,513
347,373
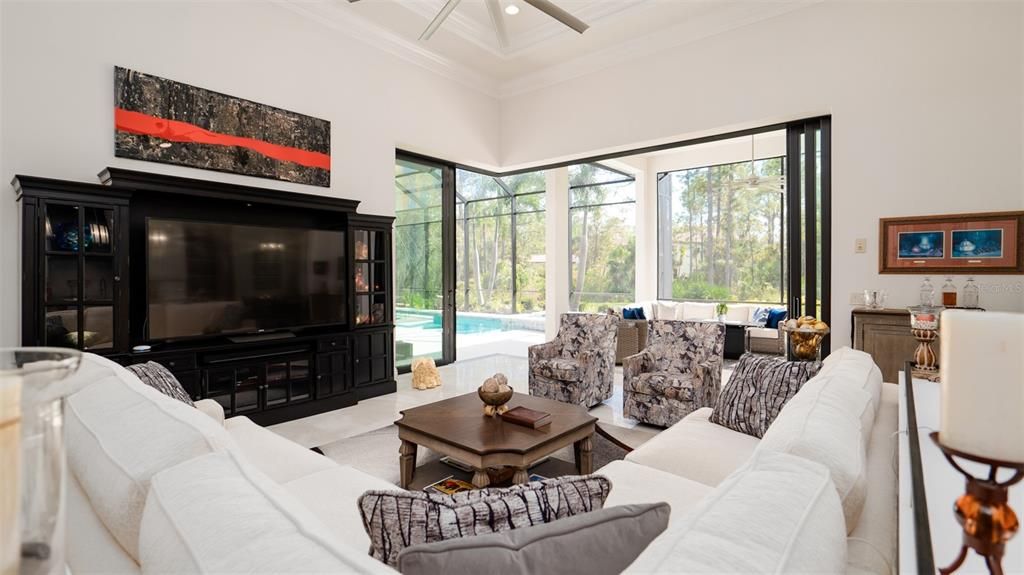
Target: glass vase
x,y
33,385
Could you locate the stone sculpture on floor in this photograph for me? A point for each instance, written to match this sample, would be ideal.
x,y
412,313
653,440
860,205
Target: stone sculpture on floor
x,y
425,374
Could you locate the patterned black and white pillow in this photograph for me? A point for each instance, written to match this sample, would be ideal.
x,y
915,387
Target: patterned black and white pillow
x,y
758,389
395,520
159,378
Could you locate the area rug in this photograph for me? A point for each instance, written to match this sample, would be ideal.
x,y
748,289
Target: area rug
x,y
376,453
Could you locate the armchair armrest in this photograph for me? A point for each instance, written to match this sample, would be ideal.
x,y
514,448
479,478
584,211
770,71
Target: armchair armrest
x,y
708,374
636,364
546,350
212,409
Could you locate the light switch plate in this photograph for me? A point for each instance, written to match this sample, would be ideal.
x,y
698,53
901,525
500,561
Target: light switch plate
x,y
860,245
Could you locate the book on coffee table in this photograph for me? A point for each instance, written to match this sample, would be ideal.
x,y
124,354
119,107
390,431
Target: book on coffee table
x,y
527,417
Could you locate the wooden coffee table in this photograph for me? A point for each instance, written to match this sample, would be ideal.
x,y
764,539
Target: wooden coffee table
x,y
458,428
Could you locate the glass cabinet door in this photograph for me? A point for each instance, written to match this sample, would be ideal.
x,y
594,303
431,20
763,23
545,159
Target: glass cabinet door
x,y
371,249
79,276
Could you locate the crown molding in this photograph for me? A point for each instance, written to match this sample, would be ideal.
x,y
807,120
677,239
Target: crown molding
x,y
328,14
684,33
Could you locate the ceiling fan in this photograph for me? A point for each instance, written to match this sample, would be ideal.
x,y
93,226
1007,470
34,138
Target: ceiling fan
x,y
498,21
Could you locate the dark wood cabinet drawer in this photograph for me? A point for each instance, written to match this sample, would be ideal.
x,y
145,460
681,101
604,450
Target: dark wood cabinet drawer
x,y
336,343
175,363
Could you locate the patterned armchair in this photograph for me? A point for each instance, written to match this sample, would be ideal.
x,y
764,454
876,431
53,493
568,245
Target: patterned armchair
x,y
579,365
679,372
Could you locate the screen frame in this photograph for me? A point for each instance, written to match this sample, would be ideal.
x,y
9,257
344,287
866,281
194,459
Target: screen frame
x,y
147,338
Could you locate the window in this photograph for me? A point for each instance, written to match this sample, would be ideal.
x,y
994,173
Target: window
x,y
602,244
500,231
721,232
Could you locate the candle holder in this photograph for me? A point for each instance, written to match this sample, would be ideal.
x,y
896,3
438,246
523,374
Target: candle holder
x,y
987,519
924,326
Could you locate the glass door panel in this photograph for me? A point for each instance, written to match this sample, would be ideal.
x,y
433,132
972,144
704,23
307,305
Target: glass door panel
x,y
424,312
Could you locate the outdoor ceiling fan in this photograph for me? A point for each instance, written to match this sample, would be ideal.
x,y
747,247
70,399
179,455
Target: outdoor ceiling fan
x,y
497,19
756,182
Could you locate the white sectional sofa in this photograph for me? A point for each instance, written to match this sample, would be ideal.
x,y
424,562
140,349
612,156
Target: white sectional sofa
x,y
157,486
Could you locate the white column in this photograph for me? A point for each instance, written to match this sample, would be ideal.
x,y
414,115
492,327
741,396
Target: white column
x,y
646,233
556,263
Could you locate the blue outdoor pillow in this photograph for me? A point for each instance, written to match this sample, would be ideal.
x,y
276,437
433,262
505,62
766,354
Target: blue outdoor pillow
x,y
774,317
633,313
761,315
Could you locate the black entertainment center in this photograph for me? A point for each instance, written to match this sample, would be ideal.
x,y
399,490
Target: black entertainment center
x,y
275,304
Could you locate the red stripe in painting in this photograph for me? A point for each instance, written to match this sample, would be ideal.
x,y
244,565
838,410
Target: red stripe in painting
x,y
175,131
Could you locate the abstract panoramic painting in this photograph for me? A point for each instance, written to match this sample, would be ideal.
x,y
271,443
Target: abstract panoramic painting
x,y
160,120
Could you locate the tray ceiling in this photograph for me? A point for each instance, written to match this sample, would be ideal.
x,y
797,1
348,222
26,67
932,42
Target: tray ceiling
x,y
540,50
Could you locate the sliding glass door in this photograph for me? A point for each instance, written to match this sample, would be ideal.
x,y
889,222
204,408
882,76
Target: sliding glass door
x,y
424,306
809,234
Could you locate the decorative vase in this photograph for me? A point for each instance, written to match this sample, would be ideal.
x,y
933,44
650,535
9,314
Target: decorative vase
x,y
495,396
924,326
33,385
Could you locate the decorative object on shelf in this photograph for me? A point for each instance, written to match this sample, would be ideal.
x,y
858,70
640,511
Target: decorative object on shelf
x,y
874,298
924,326
990,242
980,420
972,294
361,284
495,393
949,293
721,310
927,293
425,374
160,120
362,250
33,385
805,336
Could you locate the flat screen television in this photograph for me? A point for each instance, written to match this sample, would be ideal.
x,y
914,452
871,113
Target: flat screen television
x,y
208,278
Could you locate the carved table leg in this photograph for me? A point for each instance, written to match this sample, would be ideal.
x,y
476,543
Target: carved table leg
x,y
407,462
480,478
521,476
585,455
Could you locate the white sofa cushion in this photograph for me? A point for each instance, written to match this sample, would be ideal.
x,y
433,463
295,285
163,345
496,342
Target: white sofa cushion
x,y
873,542
776,514
633,483
121,432
695,311
216,514
822,423
763,332
739,312
696,449
338,508
90,547
664,310
281,459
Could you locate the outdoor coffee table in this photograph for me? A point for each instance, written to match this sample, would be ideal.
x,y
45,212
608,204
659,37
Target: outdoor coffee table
x,y
458,428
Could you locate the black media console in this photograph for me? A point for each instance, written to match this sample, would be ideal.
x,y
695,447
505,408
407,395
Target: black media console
x,y
84,285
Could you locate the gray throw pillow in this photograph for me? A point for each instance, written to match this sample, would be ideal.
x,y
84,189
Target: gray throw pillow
x,y
395,520
759,387
161,379
595,543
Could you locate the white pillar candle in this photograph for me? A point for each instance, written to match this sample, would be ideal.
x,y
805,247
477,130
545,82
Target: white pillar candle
x,y
982,379
10,454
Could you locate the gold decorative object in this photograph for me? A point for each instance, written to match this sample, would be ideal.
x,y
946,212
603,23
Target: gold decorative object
x,y
805,336
495,393
924,326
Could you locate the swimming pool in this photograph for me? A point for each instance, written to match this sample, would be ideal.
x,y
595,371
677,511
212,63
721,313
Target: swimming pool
x,y
464,323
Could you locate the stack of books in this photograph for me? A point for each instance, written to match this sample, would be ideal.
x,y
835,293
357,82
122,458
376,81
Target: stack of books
x,y
527,417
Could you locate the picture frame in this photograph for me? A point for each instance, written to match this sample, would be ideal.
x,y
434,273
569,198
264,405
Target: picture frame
x,y
982,243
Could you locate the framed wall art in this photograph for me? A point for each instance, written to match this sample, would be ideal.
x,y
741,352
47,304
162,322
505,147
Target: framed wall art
x,y
989,243
160,120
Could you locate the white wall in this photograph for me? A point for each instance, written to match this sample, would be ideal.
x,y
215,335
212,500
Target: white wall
x,y
926,103
56,90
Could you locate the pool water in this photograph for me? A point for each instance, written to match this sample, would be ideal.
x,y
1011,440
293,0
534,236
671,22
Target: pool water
x,y
431,320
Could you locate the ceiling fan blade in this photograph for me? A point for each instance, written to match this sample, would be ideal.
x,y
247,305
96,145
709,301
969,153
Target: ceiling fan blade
x,y
439,19
498,19
558,14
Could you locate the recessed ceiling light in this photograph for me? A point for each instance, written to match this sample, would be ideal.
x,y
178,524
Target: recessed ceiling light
x,y
511,9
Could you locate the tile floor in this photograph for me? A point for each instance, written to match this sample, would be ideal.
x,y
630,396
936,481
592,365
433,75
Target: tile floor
x,y
463,376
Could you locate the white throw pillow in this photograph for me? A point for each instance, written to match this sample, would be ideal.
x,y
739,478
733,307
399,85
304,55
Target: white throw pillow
x,y
850,367
664,310
217,514
695,311
776,514
822,423
120,432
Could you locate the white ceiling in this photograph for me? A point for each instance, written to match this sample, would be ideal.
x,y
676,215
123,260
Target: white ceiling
x,y
541,50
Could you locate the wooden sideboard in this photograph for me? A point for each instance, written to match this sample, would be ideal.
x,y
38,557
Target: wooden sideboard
x,y
885,334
